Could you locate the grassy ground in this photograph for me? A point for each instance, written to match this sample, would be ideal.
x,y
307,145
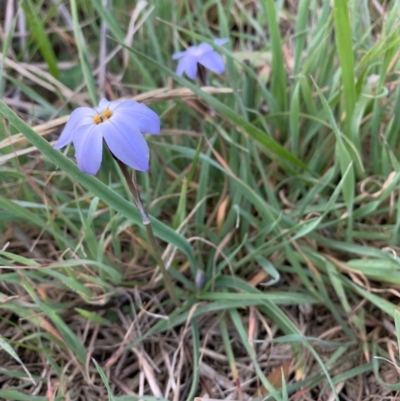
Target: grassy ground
x,y
277,187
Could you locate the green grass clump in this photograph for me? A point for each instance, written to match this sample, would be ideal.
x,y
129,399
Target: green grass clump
x,y
274,194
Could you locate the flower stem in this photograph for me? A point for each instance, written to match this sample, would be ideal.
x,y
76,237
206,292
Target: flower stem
x,y
134,189
202,75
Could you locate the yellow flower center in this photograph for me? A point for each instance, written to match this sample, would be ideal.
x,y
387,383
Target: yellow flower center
x,y
101,118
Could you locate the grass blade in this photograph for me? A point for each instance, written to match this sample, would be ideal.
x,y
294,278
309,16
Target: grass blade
x,y
278,78
346,57
36,24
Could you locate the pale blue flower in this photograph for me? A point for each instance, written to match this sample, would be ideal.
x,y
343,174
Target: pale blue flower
x,y
120,123
203,54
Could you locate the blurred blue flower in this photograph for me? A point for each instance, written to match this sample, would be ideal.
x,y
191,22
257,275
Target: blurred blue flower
x,y
121,123
203,54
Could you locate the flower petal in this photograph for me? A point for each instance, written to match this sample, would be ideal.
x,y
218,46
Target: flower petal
x,y
126,143
88,143
177,55
220,42
139,115
187,64
204,48
79,117
213,61
103,103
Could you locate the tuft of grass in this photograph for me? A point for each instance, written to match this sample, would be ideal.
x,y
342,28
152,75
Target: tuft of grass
x,y
273,193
